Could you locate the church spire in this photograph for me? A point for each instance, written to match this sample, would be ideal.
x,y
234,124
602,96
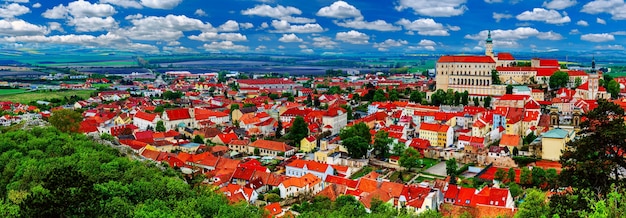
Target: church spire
x,y
593,64
489,37
489,45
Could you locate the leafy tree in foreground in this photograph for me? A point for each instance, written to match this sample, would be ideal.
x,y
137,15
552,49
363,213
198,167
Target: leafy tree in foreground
x,y
66,120
381,144
160,126
558,80
534,205
409,159
299,130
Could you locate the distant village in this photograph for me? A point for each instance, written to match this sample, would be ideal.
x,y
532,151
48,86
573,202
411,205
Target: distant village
x,y
486,113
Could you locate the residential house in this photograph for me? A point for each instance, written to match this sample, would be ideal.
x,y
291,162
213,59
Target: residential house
x,y
439,135
240,146
335,119
295,186
417,199
178,118
511,141
553,143
224,138
308,144
497,151
271,148
236,193
298,168
144,120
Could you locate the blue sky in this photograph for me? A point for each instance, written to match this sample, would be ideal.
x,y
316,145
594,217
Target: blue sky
x,y
314,26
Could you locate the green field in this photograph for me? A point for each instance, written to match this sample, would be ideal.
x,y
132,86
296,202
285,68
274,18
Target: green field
x,y
96,86
25,98
11,91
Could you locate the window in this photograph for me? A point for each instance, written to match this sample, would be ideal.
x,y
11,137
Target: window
x,y
467,201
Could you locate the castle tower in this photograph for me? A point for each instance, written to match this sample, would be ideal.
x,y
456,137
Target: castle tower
x,y
593,80
489,45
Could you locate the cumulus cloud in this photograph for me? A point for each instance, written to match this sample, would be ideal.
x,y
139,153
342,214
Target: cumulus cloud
x,y
168,28
307,51
54,26
425,27
199,12
600,21
510,38
499,16
178,49
582,23
352,37
616,8
229,26
378,25
324,42
16,27
548,16
92,24
597,37
13,10
559,4
551,35
439,8
37,5
213,36
161,4
246,25
424,44
260,48
123,3
282,26
80,9
290,38
574,32
339,10
389,43
224,46
56,12
106,40
278,12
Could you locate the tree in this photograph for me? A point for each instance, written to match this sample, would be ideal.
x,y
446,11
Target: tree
x,y
551,177
593,161
356,139
538,176
500,175
66,120
535,205
279,129
393,95
511,175
476,101
465,98
398,149
299,130
409,159
198,139
558,80
495,77
257,152
578,81
451,167
379,95
487,102
381,144
613,87
509,89
525,177
160,126
169,95
416,96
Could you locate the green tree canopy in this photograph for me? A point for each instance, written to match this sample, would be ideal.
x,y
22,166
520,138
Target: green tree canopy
x,y
66,120
410,158
534,205
558,80
299,130
160,126
495,77
381,144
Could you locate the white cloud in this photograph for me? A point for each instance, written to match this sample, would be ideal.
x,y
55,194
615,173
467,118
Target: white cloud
x,y
324,42
108,40
540,14
199,12
264,25
551,35
290,38
37,5
352,37
598,37
161,4
246,25
229,26
610,47
283,26
616,8
619,33
264,38
493,1
54,26
600,21
559,4
438,8
123,3
278,12
424,44
133,16
281,47
378,25
213,36
307,51
92,24
16,27
574,32
224,46
260,48
178,49
498,16
425,27
13,10
168,28
57,12
340,10
389,43
582,23
85,9
17,1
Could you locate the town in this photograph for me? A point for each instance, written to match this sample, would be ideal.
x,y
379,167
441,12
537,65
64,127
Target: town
x,y
467,138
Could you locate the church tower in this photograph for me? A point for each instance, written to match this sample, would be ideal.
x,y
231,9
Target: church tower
x,y
593,80
489,45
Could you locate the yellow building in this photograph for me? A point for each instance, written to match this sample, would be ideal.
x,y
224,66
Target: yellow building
x,y
308,144
437,134
553,143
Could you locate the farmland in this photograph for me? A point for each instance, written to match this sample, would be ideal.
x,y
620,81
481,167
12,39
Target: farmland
x,y
44,95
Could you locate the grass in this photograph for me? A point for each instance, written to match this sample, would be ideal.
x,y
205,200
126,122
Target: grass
x,y
362,172
25,98
428,163
100,85
11,91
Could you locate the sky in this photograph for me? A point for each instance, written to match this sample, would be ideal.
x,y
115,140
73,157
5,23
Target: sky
x,y
321,27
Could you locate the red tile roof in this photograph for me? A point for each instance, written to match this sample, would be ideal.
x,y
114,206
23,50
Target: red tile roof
x,y
546,71
576,73
465,59
504,56
274,209
271,145
513,97
265,81
341,181
310,165
549,63
465,196
178,114
145,116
